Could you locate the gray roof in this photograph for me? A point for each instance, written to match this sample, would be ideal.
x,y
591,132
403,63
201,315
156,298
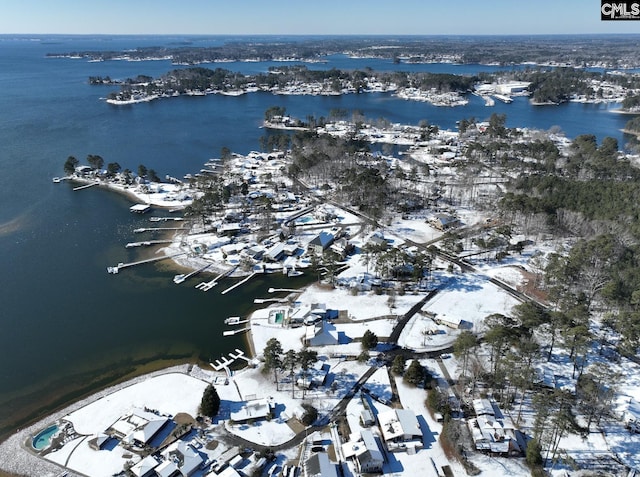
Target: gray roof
x,y
319,465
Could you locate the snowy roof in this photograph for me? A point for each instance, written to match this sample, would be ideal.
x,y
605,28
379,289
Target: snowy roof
x,y
145,466
483,407
139,426
319,465
188,458
371,446
256,409
323,239
166,469
399,423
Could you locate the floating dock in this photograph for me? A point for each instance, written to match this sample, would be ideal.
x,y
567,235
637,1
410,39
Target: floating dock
x,y
140,208
235,332
224,363
235,320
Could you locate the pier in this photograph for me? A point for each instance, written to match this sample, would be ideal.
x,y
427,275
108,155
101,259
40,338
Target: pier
x,y
258,301
86,186
235,332
241,282
206,286
288,290
165,219
153,229
121,265
181,278
147,243
224,363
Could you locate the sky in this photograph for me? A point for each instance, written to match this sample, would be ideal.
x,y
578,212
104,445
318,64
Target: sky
x,y
299,17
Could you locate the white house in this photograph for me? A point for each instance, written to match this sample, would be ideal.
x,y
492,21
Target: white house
x,y
399,426
365,452
139,427
254,409
185,457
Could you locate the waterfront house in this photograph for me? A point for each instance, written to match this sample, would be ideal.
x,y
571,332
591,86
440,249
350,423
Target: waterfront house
x,y
322,334
321,242
253,410
139,427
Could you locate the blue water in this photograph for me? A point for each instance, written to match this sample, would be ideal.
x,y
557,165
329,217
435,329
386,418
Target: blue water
x,y
43,439
55,244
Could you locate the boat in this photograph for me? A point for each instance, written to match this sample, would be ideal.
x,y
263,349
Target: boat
x,y
179,278
56,180
232,320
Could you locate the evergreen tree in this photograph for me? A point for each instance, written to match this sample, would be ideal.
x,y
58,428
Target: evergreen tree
x,y
415,373
210,404
369,340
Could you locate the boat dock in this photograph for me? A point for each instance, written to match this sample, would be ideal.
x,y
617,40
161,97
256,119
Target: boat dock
x,y
235,320
258,301
147,243
241,282
206,286
153,229
235,332
121,265
164,219
86,186
182,277
223,363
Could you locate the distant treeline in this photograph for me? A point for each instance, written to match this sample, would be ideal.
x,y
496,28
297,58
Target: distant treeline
x,y
599,50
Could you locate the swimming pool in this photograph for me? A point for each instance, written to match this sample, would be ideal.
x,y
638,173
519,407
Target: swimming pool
x,y
43,439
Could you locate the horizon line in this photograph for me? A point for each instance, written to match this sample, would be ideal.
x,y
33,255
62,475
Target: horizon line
x,y
330,35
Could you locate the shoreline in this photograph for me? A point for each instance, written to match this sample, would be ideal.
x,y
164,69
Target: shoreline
x,y
16,444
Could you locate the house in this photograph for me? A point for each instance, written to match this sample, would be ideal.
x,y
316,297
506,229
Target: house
x,y
399,426
184,457
496,437
168,469
453,322
315,376
319,465
145,468
139,427
275,253
97,442
365,452
491,431
322,334
444,222
254,409
321,242
378,240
